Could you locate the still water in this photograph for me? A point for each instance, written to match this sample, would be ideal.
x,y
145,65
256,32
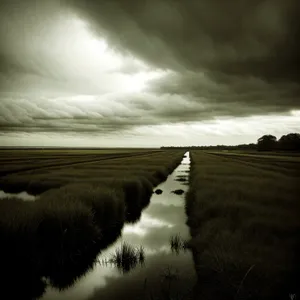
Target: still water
x,y
163,270
23,195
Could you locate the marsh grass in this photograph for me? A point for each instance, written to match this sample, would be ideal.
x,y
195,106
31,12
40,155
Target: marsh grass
x,y
147,190
36,187
67,240
245,226
141,253
177,244
127,257
13,184
134,198
160,175
38,241
137,194
105,203
18,225
155,165
60,235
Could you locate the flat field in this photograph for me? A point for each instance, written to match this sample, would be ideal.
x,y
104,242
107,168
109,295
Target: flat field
x,y
244,215
38,170
283,156
16,160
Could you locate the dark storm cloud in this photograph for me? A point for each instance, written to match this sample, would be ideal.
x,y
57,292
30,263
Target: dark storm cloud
x,y
234,36
223,58
247,50
238,96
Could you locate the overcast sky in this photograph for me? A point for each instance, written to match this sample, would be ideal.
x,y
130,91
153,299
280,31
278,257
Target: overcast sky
x,y
148,73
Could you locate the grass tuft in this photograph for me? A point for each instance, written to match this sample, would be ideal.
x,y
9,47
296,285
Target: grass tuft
x,y
127,257
178,244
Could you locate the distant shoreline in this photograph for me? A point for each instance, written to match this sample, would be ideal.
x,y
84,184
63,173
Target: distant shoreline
x,y
71,148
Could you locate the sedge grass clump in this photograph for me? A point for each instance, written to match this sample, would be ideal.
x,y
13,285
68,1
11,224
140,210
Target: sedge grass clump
x,y
39,186
127,257
108,206
18,224
141,254
177,243
147,190
19,255
13,184
133,191
105,202
160,174
66,238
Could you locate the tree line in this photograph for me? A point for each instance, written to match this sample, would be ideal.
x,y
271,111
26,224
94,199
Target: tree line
x,y
268,142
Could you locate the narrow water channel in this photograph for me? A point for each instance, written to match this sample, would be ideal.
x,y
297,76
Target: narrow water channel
x,y
164,269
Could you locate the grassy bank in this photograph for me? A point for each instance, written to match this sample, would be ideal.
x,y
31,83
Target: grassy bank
x,y
60,234
245,226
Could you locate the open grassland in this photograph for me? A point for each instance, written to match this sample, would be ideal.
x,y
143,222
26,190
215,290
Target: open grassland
x,y
35,176
289,165
59,235
10,155
16,161
279,156
260,153
245,223
68,151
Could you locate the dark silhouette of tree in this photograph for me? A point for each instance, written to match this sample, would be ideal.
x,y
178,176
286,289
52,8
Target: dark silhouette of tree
x,y
289,142
266,143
